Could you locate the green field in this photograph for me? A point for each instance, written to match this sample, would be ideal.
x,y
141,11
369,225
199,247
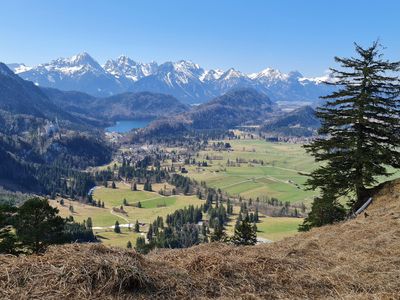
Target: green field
x,y
270,228
153,205
280,176
110,238
115,197
103,219
100,216
276,229
159,202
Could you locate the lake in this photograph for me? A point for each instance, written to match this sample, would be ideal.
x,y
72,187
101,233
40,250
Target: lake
x,y
127,125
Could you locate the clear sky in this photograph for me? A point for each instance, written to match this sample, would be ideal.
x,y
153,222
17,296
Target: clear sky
x,y
247,35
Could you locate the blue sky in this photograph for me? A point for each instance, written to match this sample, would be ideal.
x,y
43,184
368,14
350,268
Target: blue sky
x,y
247,35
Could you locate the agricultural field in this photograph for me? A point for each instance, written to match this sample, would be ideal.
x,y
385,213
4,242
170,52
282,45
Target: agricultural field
x,y
239,171
276,229
110,238
152,203
103,219
269,228
256,169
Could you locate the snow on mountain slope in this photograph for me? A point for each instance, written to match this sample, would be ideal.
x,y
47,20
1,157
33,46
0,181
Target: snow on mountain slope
x,y
180,79
79,72
210,75
123,66
18,68
183,79
327,77
269,75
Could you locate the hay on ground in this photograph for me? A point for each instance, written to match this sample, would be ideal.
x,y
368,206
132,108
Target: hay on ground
x,y
357,259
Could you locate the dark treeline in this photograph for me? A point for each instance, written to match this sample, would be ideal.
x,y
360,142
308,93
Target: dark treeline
x,y
179,138
147,169
65,182
180,230
51,164
183,184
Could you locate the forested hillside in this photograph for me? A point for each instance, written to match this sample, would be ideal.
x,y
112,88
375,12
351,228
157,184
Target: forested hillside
x,y
126,106
300,122
237,107
42,145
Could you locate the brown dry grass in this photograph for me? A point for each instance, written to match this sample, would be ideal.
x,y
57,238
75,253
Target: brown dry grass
x,y
357,259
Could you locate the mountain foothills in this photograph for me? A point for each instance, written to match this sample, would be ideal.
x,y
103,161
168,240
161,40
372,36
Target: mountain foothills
x,y
125,106
184,80
40,142
237,107
301,122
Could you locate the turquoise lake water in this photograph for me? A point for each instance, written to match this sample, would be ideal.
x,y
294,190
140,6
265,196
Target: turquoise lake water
x,y
127,125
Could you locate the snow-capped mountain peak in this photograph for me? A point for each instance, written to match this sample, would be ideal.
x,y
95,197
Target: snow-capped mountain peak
x,y
124,66
18,67
81,59
230,74
326,78
211,75
179,73
78,64
269,74
183,65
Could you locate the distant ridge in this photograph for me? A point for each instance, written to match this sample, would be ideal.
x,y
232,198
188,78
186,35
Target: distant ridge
x,y
129,105
183,79
300,122
236,107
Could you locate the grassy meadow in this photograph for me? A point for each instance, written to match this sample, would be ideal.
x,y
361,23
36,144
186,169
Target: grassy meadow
x,y
280,176
269,228
103,219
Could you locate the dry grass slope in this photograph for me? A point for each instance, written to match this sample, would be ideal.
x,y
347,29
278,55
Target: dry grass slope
x,y
357,259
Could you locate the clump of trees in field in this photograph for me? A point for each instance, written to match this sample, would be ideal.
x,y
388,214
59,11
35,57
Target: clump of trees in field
x,y
194,225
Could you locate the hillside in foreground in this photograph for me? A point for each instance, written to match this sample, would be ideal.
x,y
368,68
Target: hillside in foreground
x,y
357,259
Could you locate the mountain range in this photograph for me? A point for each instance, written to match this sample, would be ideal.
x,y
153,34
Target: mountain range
x,y
24,105
185,80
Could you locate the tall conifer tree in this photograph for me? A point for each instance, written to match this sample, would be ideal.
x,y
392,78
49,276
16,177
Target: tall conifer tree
x,y
360,125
